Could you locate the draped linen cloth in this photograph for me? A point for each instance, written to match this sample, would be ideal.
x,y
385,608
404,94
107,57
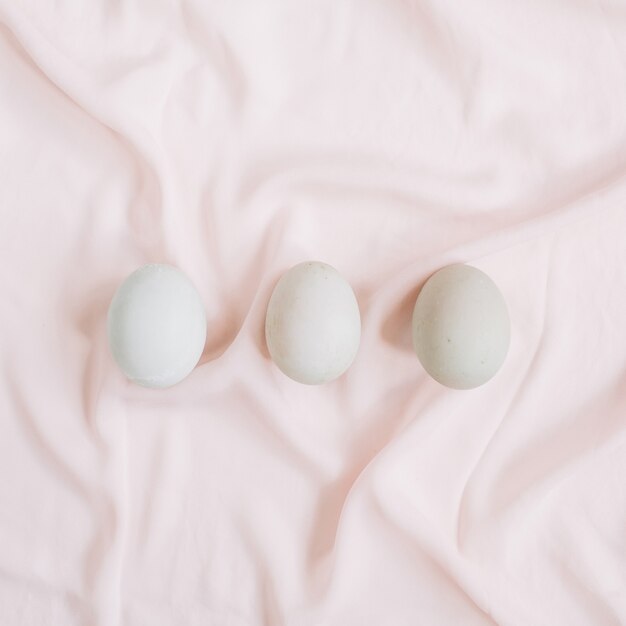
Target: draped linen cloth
x,y
388,138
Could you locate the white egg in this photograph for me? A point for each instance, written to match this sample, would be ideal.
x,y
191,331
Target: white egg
x,y
156,326
313,324
461,327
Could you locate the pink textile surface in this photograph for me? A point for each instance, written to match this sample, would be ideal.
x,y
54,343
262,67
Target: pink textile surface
x,y
388,138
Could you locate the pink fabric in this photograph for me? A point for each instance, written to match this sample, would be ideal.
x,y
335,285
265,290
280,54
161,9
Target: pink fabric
x,y
387,138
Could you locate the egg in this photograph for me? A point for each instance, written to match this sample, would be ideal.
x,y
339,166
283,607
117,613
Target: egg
x,y
461,327
156,326
313,324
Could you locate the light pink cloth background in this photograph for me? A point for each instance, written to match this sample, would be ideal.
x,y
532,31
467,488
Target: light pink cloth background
x,y
235,139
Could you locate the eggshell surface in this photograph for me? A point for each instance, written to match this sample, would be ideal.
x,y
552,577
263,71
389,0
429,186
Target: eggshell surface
x,y
313,324
461,327
156,326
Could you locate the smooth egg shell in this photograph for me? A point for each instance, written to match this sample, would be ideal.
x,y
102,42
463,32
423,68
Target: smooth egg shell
x,y
461,327
156,326
313,324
